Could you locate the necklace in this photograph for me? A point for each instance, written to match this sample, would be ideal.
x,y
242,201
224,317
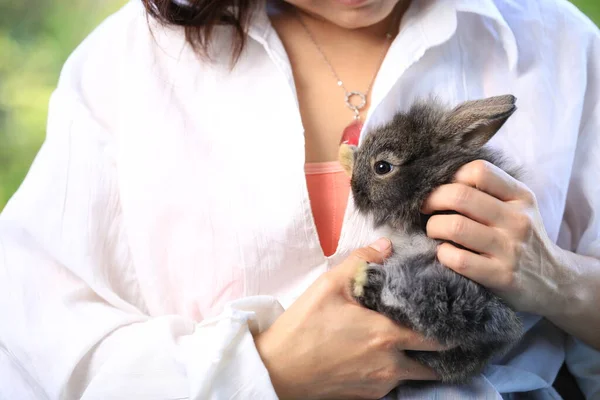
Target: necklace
x,y
355,100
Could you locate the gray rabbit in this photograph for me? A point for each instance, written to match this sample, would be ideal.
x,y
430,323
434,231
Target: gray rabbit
x,y
395,168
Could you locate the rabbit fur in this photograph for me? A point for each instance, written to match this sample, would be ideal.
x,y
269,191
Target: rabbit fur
x,y
423,148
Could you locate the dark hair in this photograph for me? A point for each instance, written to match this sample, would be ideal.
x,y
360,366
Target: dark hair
x,y
199,18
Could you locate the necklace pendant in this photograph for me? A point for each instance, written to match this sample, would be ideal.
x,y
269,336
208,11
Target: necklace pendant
x,y
351,133
356,106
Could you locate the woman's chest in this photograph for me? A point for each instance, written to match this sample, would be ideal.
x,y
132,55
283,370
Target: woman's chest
x,y
214,192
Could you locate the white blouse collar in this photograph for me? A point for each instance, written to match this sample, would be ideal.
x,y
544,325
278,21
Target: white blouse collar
x,y
425,12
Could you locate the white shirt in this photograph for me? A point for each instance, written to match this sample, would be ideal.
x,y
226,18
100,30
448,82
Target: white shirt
x,y
168,187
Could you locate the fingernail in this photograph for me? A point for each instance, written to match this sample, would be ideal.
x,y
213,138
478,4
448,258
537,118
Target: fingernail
x,y
381,244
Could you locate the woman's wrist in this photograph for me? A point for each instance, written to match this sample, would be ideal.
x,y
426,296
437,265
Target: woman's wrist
x,y
573,303
268,350
557,282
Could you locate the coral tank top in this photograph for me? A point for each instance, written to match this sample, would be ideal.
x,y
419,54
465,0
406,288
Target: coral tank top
x,y
328,189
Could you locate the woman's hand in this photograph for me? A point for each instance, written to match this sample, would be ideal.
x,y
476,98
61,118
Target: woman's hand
x,y
328,346
500,221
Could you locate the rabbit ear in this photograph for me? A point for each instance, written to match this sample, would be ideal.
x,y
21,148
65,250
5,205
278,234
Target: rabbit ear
x,y
473,123
346,157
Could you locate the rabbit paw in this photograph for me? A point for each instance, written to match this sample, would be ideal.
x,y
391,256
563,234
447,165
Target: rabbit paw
x,y
367,285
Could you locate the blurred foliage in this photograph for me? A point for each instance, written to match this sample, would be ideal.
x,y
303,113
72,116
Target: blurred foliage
x,y
36,37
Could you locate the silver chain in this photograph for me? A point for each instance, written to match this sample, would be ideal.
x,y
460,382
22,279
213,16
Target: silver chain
x,y
349,94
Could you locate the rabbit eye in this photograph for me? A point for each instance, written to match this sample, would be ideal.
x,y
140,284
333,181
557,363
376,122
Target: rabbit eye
x,y
383,167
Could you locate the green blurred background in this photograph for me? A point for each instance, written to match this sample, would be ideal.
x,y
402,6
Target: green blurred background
x,y
36,37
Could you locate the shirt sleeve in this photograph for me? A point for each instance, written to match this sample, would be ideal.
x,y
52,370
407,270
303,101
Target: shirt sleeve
x,y
68,331
580,230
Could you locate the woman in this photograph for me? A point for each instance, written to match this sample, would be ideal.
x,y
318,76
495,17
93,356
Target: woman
x,y
167,221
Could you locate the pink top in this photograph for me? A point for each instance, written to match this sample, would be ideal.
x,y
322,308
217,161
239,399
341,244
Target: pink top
x,y
328,189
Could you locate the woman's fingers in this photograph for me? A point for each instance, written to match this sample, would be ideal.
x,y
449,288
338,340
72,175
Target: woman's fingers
x,y
473,266
376,252
492,180
397,339
411,340
415,371
468,201
387,333
466,232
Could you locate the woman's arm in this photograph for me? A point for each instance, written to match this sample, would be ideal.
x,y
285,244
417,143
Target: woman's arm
x,y
515,257
502,222
73,324
577,312
327,346
75,331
